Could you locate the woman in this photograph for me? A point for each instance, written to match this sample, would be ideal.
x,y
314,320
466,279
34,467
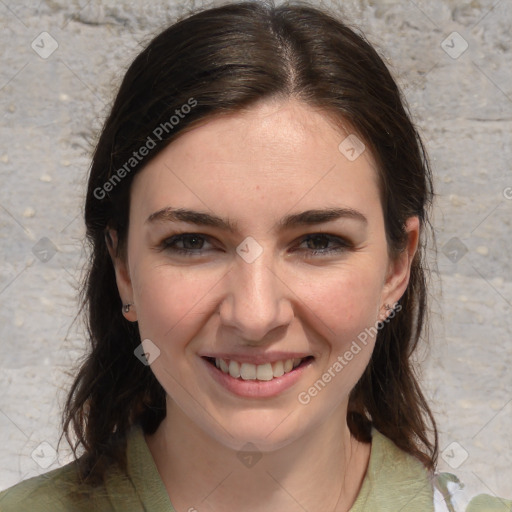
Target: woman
x,y
258,207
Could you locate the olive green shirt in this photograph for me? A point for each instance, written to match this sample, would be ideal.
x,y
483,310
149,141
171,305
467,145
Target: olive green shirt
x,y
394,481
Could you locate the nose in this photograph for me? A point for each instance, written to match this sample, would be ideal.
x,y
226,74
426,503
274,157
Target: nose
x,y
257,302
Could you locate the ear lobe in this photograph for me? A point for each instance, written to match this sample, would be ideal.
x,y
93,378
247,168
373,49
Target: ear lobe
x,y
399,270
123,280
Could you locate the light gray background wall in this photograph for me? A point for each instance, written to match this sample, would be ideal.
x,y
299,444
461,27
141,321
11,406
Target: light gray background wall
x,y
52,104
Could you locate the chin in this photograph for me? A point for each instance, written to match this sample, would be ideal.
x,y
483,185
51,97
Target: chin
x,y
267,430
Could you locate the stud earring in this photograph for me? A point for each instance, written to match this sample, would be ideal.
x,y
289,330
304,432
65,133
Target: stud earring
x,y
388,307
126,308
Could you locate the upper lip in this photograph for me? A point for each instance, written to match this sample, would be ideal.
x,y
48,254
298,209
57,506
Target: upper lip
x,y
256,359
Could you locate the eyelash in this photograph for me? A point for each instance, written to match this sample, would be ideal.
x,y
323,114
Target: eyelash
x,y
345,244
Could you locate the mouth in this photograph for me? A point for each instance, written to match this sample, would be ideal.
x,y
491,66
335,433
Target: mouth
x,y
258,372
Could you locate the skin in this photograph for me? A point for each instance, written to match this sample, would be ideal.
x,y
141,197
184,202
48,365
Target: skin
x,y
254,167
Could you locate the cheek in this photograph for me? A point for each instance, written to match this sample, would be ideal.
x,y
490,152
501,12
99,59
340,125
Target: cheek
x,y
169,302
346,300
344,308
172,302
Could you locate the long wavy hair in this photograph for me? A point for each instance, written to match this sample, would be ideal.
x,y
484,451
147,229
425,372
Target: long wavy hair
x,y
228,58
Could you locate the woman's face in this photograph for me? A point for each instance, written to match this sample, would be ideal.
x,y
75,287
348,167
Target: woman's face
x,y
270,274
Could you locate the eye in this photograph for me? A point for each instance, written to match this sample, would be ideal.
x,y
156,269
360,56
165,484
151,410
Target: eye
x,y
317,244
193,244
323,240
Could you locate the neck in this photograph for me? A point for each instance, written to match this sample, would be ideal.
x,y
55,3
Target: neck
x,y
320,471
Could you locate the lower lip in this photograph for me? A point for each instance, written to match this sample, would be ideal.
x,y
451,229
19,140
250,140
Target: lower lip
x,y
257,388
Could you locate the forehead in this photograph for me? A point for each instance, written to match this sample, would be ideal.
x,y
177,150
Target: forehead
x,y
275,154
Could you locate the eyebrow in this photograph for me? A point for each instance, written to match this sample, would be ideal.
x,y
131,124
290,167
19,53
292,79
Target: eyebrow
x,y
306,218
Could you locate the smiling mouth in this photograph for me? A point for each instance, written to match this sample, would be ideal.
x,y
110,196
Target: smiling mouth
x,y
260,372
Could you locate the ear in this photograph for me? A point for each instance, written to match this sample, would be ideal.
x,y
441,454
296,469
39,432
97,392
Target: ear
x,y
399,269
124,284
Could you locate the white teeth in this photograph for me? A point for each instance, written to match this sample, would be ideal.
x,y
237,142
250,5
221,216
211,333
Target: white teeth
x,y
264,372
223,366
278,368
234,369
247,371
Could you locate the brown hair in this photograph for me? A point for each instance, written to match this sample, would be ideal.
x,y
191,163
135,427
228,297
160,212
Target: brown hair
x,y
226,59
